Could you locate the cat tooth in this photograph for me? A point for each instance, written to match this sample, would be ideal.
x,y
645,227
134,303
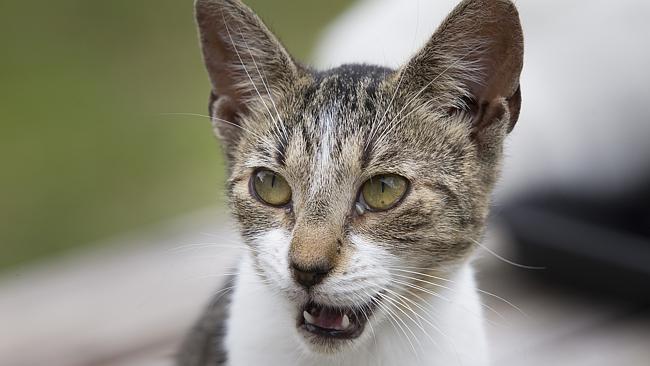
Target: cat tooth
x,y
345,323
308,317
360,209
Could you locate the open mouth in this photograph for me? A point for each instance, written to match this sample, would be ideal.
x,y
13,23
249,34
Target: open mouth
x,y
332,322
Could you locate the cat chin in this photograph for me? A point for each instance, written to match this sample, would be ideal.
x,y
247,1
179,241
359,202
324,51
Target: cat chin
x,y
325,346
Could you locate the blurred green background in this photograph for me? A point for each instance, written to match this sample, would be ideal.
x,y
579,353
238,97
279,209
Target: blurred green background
x,y
85,152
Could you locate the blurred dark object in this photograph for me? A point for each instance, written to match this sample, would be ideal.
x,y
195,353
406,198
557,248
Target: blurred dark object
x,y
591,240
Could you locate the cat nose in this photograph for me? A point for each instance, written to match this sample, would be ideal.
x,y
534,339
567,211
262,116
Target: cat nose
x,y
311,276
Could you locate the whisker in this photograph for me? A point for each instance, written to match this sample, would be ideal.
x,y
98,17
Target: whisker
x,y
394,316
399,305
435,327
450,281
248,131
199,246
363,311
392,125
192,246
241,61
390,103
505,259
442,73
420,288
396,306
265,84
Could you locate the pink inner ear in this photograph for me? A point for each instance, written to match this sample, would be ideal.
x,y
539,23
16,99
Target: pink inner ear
x,y
514,105
487,114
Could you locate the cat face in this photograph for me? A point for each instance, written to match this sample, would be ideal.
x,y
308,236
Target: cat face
x,y
357,186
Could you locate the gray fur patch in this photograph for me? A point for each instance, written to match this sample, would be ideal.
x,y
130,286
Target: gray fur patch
x,y
203,345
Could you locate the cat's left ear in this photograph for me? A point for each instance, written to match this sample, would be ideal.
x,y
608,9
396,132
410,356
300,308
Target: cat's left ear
x,y
472,63
246,63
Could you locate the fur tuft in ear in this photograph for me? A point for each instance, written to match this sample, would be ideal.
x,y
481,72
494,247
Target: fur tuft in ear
x,y
472,63
248,67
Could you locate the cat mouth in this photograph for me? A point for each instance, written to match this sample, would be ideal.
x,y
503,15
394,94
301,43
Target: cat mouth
x,y
324,321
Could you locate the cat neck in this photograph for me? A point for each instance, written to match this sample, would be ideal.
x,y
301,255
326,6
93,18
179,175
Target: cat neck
x,y
447,330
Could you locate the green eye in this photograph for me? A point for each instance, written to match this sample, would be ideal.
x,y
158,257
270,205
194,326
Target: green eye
x,y
271,188
382,192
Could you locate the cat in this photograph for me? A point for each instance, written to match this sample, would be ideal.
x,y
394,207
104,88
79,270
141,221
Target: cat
x,y
360,192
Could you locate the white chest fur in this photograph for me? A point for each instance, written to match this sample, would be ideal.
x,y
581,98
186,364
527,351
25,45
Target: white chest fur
x,y
262,330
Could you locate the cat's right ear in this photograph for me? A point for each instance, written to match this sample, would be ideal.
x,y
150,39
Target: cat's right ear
x,y
472,63
247,65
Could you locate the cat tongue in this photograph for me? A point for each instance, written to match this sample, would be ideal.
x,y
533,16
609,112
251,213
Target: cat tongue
x,y
327,319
